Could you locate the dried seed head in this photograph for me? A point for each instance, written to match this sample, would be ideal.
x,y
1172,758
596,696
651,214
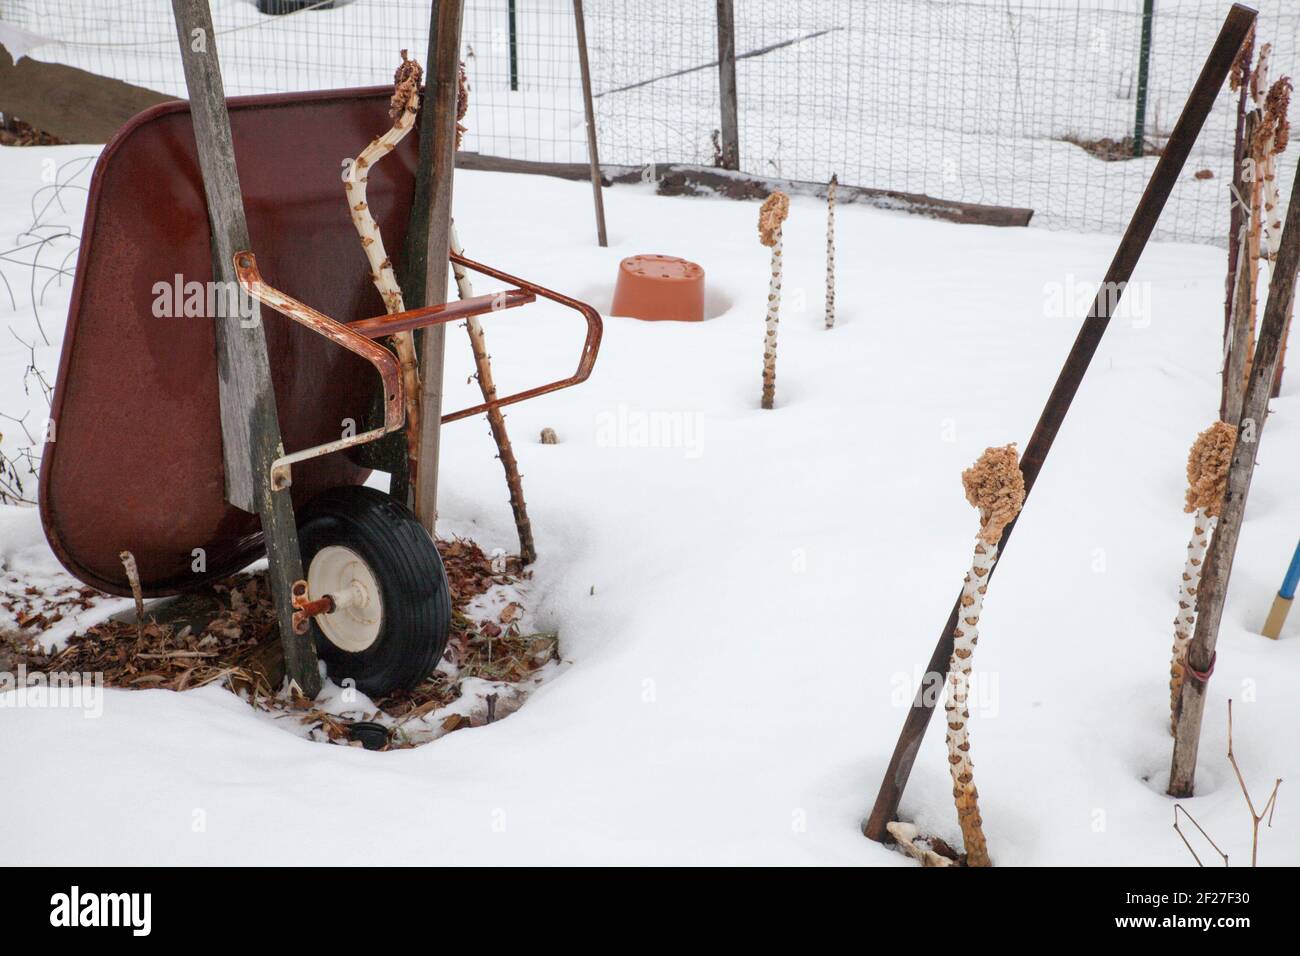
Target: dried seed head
x,y
770,216
1240,74
406,87
462,102
1207,468
996,486
1276,105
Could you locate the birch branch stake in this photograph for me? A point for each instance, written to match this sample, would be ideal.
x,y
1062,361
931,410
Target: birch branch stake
x,y
1207,479
770,217
1218,562
496,420
996,486
1257,160
830,251
1274,134
356,174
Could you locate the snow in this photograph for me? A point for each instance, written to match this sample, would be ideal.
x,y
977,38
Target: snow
x,y
745,598
972,101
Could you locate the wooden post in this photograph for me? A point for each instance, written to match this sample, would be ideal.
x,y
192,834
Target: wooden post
x,y
730,126
1168,168
250,430
594,157
428,236
1218,563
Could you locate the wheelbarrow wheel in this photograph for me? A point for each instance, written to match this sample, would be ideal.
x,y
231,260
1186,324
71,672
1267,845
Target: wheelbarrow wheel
x,y
393,607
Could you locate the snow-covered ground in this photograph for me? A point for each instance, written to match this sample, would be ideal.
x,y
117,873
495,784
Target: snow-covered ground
x,y
745,598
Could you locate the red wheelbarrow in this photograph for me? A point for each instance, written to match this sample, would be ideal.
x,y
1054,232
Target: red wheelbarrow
x,y
135,460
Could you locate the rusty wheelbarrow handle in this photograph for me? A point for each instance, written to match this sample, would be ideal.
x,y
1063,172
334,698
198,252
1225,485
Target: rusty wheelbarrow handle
x,y
595,328
356,337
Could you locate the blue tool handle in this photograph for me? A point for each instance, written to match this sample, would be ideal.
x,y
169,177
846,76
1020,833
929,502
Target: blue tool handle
x,y
1292,576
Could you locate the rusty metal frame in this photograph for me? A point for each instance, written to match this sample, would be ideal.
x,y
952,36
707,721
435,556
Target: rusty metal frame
x,y
590,346
385,363
356,337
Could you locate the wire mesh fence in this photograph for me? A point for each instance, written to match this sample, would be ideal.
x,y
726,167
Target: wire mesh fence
x,y
1029,103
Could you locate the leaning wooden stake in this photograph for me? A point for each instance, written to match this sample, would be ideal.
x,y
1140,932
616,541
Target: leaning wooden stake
x,y
1218,564
593,152
1207,478
830,251
770,217
1168,168
996,487
356,174
496,420
250,428
424,276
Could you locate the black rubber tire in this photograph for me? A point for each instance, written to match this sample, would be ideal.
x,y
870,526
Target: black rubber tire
x,y
412,583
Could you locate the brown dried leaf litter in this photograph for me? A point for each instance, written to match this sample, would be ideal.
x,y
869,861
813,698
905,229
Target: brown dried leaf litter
x,y
1207,468
237,646
996,486
770,216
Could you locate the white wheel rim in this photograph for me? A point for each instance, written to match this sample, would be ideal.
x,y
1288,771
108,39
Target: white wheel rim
x,y
341,573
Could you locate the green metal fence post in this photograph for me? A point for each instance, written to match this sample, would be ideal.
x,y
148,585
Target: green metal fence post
x,y
1144,67
514,49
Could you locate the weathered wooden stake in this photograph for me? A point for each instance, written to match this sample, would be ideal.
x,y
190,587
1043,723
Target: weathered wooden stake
x,y
1199,103
590,109
730,125
1218,565
428,241
250,430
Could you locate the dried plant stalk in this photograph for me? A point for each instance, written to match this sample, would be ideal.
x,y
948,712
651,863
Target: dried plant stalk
x,y
770,217
133,578
496,420
1207,480
1234,360
830,251
1266,811
996,486
356,173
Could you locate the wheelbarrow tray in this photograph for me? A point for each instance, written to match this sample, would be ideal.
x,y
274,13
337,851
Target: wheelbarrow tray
x,y
135,462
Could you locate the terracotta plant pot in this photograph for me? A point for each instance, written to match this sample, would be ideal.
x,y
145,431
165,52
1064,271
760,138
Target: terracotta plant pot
x,y
656,288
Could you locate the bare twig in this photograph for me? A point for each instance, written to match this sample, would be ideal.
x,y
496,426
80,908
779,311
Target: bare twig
x,y
496,420
1178,808
133,576
1255,818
